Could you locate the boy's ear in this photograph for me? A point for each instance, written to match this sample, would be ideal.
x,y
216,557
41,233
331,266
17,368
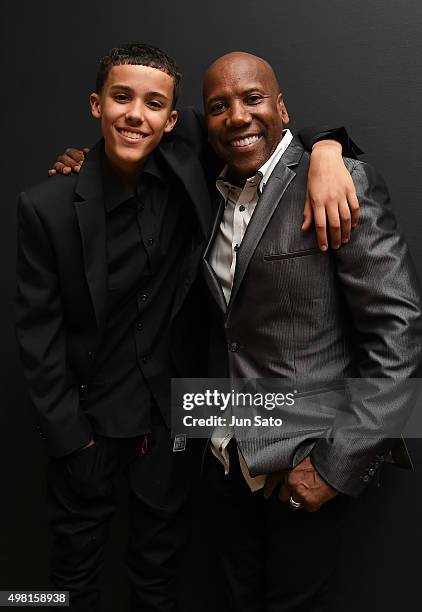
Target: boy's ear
x,y
94,100
171,121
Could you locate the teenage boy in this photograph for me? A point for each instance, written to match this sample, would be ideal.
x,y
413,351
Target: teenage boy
x,y
106,260
108,310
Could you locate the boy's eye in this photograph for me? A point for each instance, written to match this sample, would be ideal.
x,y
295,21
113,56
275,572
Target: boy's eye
x,y
155,104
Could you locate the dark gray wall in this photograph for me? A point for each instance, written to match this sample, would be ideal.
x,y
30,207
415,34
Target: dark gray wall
x,y
357,63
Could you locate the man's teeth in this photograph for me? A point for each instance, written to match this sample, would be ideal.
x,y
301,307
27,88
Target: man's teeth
x,y
244,142
131,135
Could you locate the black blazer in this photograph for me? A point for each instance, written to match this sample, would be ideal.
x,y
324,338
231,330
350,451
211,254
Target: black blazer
x,y
62,286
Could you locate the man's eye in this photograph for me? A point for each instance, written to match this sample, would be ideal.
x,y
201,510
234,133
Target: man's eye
x,y
121,98
254,99
217,107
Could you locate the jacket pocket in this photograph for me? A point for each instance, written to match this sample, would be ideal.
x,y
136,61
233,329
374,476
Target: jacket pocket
x,y
292,254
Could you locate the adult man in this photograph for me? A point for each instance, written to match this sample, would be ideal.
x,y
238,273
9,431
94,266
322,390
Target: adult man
x,y
284,309
107,312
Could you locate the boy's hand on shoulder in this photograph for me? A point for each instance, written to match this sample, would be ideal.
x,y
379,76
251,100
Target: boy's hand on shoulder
x,y
70,161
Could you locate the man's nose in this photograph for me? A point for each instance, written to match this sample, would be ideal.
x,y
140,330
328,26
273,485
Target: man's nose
x,y
239,115
135,112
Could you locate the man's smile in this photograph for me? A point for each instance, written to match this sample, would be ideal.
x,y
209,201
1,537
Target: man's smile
x,y
245,141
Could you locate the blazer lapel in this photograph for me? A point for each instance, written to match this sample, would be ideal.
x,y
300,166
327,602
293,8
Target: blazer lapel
x,y
209,274
280,179
186,166
90,214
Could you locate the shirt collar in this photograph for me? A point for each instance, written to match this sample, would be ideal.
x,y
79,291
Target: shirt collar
x,y
261,178
115,190
267,168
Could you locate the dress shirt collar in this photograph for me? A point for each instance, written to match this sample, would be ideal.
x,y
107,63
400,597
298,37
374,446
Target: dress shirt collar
x,y
115,190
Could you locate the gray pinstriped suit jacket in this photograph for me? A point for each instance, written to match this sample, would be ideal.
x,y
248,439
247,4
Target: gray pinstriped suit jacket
x,y
315,318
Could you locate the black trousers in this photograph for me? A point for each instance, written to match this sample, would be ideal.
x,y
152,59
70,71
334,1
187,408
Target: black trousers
x,y
82,500
274,559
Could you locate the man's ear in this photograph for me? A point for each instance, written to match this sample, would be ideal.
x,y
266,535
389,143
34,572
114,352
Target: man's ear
x,y
94,100
282,109
171,121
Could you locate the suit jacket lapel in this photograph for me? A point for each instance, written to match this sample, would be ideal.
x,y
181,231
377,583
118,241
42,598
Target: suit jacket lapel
x,y
209,274
89,208
280,179
186,166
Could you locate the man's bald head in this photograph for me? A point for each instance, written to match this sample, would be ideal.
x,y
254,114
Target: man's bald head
x,y
245,112
240,59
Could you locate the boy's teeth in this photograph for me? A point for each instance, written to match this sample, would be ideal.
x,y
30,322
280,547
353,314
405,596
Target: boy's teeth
x,y
244,142
132,135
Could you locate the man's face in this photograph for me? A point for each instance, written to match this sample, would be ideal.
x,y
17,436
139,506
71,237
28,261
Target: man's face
x,y
135,109
245,112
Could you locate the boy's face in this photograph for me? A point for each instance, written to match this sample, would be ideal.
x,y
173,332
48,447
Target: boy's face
x,y
135,109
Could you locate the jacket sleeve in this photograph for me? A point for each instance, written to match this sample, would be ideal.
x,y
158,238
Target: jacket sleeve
x,y
42,339
381,292
311,134
191,129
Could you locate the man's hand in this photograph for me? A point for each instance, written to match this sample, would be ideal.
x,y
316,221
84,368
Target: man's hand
x,y
274,481
331,195
305,485
71,160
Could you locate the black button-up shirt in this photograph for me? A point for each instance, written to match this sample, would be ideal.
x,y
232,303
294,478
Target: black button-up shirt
x,y
147,235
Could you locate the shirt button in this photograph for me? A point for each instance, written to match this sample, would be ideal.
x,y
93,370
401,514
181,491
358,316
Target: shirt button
x,y
241,208
90,354
139,326
234,347
144,359
236,248
365,478
144,297
151,241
